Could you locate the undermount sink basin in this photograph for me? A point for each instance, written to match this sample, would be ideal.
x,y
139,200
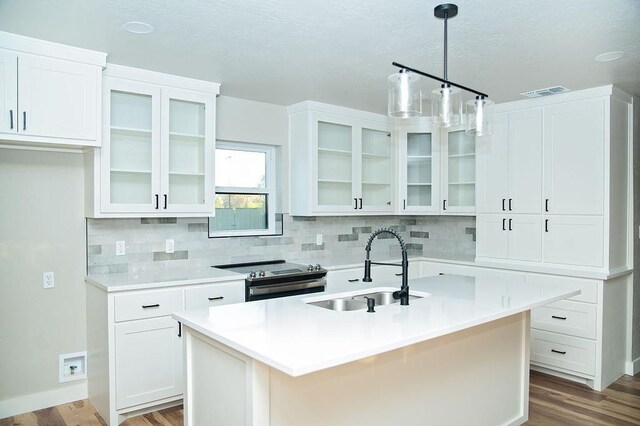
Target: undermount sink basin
x,y
359,301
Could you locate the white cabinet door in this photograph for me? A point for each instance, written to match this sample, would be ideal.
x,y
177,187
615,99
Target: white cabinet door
x,y
377,168
493,168
525,161
57,98
574,155
458,173
525,242
492,236
130,157
148,361
187,151
8,92
419,170
574,240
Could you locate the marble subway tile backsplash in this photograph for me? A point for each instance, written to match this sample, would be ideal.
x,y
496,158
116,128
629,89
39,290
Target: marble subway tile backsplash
x,y
344,239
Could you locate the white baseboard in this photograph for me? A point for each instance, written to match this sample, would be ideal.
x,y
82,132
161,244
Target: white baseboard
x,y
633,367
37,401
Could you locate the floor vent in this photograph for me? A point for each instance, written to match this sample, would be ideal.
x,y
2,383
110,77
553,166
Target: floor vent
x,y
545,92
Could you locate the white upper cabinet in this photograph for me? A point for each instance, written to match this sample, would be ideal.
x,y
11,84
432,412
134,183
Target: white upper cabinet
x,y
458,173
50,93
574,149
342,161
158,147
419,170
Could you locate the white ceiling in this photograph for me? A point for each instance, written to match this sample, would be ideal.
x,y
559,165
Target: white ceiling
x,y
340,51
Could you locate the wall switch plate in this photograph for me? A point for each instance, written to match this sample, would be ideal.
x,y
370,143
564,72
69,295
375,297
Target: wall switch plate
x,y
170,246
48,280
120,248
318,239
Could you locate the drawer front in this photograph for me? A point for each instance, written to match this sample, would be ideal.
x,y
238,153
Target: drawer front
x,y
557,350
148,304
566,317
214,294
588,288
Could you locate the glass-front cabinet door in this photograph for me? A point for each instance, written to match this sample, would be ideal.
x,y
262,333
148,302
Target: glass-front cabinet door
x,y
419,174
187,146
335,172
130,148
459,171
377,170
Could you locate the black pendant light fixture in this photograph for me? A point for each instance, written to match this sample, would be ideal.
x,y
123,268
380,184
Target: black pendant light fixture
x,y
405,94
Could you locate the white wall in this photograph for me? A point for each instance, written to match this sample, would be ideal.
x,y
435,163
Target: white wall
x,y
240,120
635,332
42,229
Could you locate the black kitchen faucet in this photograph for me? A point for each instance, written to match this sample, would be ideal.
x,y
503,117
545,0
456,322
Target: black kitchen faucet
x,y
403,294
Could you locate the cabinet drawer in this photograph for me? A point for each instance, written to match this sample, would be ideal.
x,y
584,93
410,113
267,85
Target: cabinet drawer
x,y
566,317
214,294
147,304
557,350
588,288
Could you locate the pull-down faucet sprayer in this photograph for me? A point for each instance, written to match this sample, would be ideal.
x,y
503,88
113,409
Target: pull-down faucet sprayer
x,y
403,294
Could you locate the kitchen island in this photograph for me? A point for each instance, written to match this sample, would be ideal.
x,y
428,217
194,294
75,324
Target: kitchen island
x,y
457,355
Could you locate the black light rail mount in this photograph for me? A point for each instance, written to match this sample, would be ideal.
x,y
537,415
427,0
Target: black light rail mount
x,y
406,68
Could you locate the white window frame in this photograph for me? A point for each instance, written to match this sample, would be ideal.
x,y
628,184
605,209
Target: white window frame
x,y
269,190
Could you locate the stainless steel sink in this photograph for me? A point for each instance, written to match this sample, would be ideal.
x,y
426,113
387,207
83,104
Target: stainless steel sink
x,y
382,298
341,304
359,301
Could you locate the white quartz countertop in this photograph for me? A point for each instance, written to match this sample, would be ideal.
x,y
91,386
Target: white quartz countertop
x,y
297,338
159,278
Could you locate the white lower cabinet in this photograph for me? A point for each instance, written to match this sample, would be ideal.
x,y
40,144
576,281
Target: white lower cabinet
x,y
583,234
566,352
148,361
134,346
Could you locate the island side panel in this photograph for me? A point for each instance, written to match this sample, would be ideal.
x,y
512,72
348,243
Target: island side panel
x,y
223,386
478,376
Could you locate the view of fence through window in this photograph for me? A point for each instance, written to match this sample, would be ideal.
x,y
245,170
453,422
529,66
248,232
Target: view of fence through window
x,y
242,194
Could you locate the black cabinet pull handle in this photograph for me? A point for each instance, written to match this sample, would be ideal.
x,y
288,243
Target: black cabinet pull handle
x,y
216,298
355,201
165,201
558,352
557,317
503,201
179,329
440,273
444,204
354,280
11,119
399,274
510,221
360,202
24,120
157,202
504,224
510,200
546,204
404,204
156,305
546,225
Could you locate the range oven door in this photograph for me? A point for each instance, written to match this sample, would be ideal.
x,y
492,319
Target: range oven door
x,y
271,291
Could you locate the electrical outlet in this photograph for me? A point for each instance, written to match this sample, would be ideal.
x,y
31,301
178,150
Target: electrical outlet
x,y
170,246
318,239
48,280
120,248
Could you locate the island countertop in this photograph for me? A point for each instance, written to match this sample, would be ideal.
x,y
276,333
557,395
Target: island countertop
x,y
297,338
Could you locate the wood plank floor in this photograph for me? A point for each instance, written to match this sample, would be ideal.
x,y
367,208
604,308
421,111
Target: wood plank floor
x,y
553,402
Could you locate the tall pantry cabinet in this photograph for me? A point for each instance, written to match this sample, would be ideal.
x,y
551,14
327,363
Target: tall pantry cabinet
x,y
553,184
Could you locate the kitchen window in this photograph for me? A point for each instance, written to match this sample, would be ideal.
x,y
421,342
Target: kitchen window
x,y
245,190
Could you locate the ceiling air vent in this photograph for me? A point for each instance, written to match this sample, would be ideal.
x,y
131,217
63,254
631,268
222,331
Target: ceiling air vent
x,y
545,92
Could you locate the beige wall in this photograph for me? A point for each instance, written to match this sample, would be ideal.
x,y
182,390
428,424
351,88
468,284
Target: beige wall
x,y
42,229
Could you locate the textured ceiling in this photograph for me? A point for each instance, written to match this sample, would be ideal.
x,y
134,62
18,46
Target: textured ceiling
x,y
340,51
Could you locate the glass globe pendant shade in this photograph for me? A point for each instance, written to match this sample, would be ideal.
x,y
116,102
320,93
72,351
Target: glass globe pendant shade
x,y
405,96
480,116
446,106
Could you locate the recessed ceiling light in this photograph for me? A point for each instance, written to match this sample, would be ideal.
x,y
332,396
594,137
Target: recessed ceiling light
x,y
609,56
136,27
